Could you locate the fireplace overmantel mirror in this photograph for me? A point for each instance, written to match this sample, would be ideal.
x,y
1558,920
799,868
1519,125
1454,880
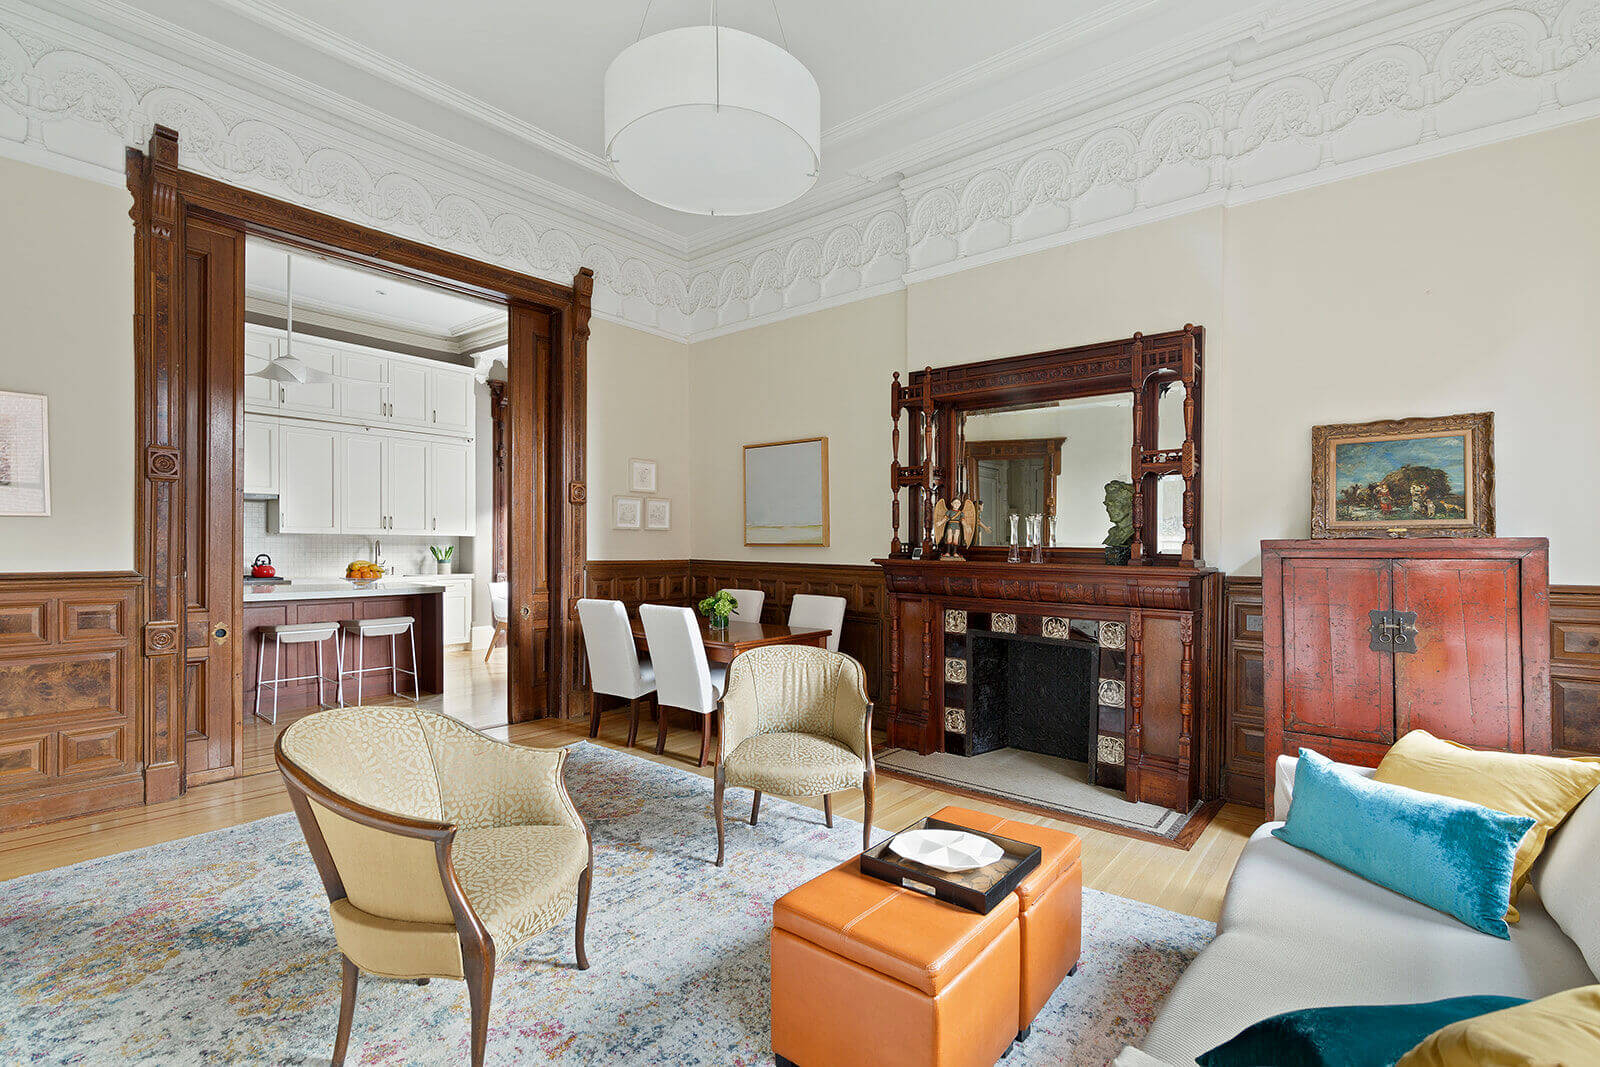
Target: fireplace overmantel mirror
x,y
1055,434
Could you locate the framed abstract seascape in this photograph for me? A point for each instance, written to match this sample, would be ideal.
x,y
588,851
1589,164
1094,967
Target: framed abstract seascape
x,y
786,493
1424,477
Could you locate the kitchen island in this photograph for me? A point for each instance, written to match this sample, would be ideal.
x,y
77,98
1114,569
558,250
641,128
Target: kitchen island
x,y
336,601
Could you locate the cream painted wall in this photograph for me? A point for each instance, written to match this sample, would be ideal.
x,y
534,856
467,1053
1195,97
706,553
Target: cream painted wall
x,y
1467,283
66,302
820,375
639,407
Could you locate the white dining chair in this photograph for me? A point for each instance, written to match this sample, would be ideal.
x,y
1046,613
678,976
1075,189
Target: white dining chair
x,y
683,678
500,611
750,603
810,612
615,667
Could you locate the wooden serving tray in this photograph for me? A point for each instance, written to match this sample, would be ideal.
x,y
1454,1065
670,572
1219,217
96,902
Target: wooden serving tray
x,y
976,890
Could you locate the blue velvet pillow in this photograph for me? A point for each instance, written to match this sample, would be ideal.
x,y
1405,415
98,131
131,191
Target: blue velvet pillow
x,y
1446,853
1360,1036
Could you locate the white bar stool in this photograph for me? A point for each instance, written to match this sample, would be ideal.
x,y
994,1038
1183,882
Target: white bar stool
x,y
391,627
299,633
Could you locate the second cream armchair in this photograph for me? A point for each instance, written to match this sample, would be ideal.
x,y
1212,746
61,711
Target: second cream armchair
x,y
795,721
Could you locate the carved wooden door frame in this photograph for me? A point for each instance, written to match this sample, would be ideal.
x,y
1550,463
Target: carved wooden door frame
x,y
545,432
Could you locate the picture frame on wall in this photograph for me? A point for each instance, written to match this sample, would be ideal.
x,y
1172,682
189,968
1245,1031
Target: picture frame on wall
x,y
786,493
626,512
24,454
658,513
1416,477
641,475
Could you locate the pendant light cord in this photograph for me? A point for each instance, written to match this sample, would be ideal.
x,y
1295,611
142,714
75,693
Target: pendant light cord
x,y
288,278
784,37
648,5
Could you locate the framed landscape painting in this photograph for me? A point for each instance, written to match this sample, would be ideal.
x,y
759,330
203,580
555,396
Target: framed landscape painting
x,y
786,493
1425,477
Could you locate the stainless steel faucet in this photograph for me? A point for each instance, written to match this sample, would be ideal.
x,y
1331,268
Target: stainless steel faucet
x,y
377,556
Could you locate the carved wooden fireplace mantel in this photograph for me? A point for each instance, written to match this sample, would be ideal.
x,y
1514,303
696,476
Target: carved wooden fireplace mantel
x,y
1153,625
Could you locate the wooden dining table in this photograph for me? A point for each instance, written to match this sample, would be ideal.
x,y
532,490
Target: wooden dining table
x,y
721,647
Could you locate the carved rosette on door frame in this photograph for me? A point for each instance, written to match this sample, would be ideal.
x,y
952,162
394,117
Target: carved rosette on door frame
x,y
1161,610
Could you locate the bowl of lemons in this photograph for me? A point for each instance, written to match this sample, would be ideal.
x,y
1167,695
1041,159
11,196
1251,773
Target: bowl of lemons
x,y
363,574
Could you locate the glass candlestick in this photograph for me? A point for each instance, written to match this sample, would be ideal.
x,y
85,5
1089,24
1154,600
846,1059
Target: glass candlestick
x,y
1036,538
1015,555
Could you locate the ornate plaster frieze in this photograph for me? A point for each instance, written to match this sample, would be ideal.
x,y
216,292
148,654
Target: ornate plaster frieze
x,y
1352,99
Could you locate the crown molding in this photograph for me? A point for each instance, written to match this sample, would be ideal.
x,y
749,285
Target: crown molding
x,y
1266,105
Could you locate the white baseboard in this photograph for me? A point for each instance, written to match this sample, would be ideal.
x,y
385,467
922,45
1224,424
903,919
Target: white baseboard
x,y
481,636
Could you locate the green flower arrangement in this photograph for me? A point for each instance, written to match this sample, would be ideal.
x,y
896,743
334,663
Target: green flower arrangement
x,y
719,608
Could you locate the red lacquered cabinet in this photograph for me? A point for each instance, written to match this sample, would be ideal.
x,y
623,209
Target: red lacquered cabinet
x,y
1367,639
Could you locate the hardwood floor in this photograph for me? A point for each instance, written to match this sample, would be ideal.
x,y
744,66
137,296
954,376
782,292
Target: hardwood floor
x,y
1191,882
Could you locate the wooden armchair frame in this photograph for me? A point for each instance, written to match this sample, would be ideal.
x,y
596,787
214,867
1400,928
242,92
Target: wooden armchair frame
x,y
477,947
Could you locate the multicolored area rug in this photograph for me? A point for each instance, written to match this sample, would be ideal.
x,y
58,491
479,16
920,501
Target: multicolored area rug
x,y
218,948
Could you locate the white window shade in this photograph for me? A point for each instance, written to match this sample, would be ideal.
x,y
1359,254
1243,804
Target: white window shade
x,y
713,121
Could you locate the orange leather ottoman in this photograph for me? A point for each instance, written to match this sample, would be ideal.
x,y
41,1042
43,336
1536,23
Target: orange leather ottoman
x,y
1051,903
864,972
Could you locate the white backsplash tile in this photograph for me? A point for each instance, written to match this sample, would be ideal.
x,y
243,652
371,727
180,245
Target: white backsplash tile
x,y
326,555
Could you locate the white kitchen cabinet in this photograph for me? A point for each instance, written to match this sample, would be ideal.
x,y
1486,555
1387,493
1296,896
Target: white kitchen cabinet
x,y
308,479
457,608
408,394
260,346
362,471
260,455
451,487
406,484
311,398
363,386
451,400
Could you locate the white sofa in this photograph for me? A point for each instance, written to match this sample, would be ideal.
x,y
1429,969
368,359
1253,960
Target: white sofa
x,y
1298,932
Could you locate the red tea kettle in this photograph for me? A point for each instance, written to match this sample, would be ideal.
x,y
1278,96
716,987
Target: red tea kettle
x,y
263,568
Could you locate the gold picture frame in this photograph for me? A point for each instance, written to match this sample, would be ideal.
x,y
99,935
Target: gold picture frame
x,y
1418,477
786,493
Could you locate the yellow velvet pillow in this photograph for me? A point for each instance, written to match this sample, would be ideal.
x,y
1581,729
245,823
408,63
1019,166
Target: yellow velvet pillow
x,y
1561,1030
1543,788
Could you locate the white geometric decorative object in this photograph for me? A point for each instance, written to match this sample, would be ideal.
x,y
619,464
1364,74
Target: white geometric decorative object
x,y
712,121
946,850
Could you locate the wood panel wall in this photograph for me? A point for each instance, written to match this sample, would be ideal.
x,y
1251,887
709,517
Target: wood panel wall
x,y
69,661
686,581
1574,681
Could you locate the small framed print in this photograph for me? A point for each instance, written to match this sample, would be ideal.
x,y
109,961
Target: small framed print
x,y
658,514
642,475
24,454
626,512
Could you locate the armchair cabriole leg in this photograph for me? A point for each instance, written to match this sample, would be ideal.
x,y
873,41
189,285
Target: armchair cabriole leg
x,y
583,911
869,783
480,989
755,807
347,1010
827,809
722,782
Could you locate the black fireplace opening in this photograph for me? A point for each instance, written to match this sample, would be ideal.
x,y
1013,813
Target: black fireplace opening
x,y
1034,693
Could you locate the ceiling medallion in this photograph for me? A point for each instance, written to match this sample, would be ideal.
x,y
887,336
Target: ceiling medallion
x,y
712,121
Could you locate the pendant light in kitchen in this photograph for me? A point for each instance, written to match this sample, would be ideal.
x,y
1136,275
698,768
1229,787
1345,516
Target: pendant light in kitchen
x,y
287,367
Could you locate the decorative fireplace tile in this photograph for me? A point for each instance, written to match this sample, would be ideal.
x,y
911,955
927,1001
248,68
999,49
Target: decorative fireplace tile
x,y
1111,693
955,720
1054,627
1111,750
1113,635
1002,622
955,622
955,670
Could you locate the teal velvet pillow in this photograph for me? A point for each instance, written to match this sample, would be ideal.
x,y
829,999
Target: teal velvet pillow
x,y
1359,1036
1446,853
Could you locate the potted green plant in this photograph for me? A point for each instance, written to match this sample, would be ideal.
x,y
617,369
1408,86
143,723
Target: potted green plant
x,y
718,608
441,556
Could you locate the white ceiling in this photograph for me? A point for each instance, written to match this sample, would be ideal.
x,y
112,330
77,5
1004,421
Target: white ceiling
x,y
521,81
370,297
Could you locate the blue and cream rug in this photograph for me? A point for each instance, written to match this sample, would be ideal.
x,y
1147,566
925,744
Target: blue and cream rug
x,y
218,949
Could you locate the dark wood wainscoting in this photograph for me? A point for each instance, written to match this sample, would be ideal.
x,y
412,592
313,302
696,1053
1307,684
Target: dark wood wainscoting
x,y
69,728
686,581
1574,681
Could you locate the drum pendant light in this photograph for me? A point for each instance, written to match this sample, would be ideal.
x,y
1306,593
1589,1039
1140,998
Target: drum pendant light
x,y
712,121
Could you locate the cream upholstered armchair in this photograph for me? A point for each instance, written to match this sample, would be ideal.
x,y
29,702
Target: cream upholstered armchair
x,y
440,848
795,721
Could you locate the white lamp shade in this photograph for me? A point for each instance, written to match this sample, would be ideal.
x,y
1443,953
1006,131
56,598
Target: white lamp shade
x,y
682,135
